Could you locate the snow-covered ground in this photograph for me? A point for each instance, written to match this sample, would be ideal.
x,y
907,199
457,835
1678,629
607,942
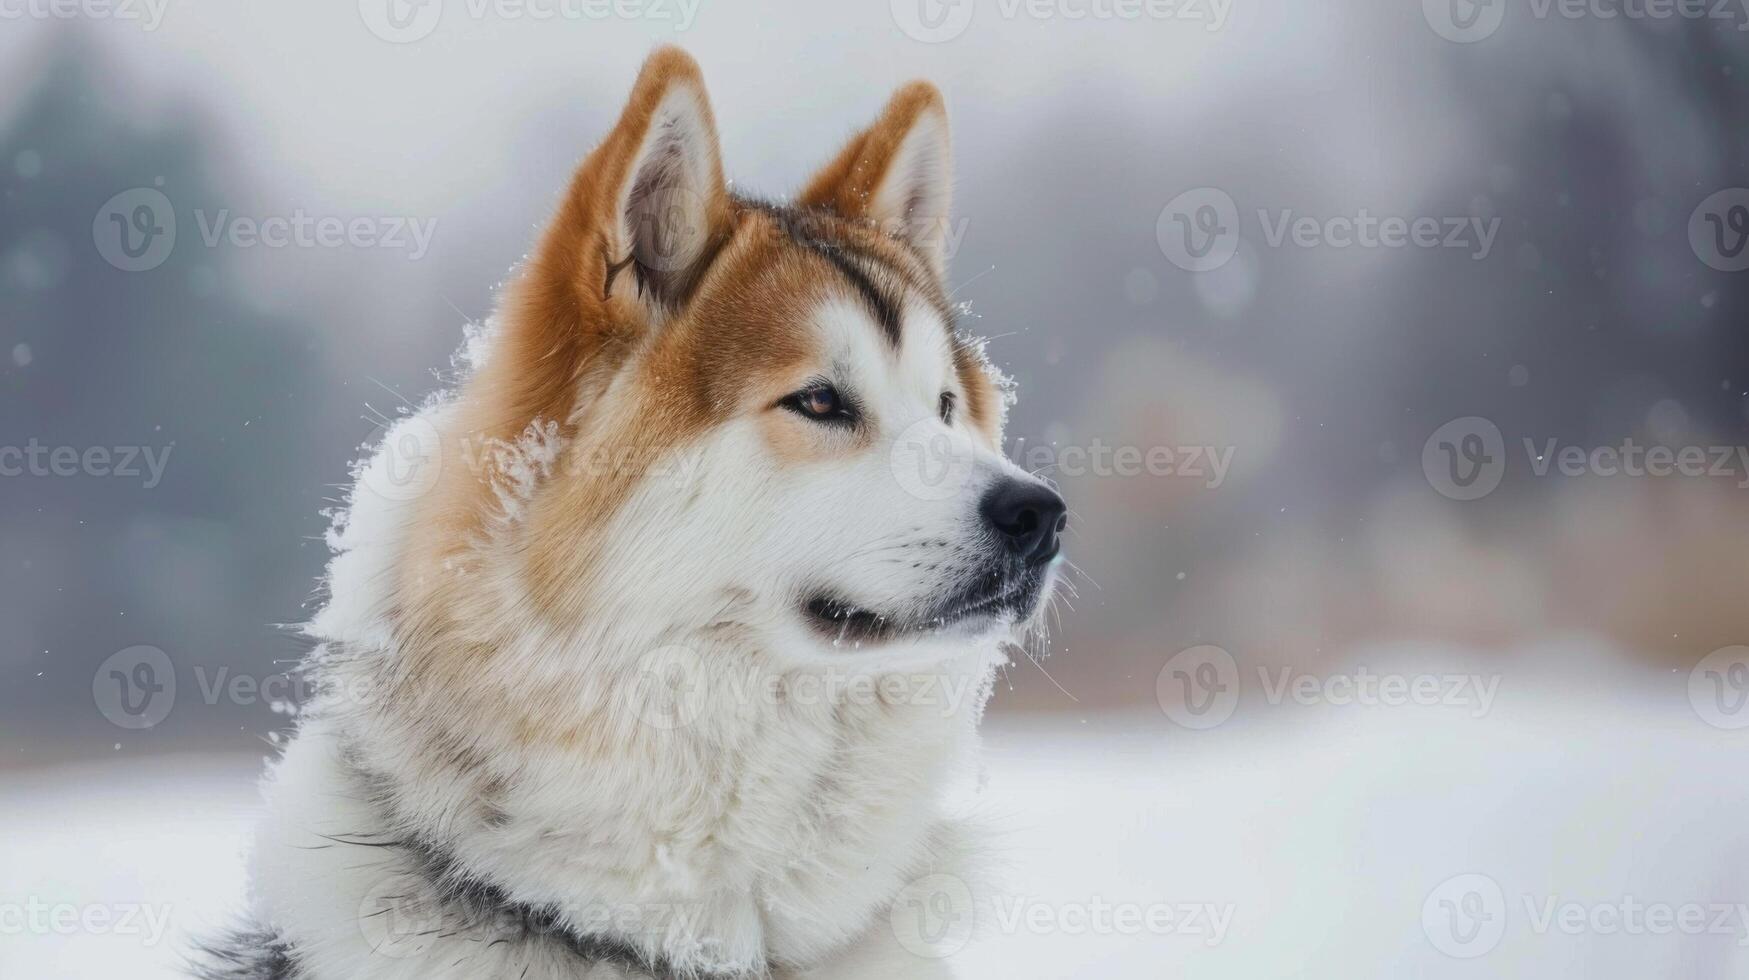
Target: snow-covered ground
x,y
1600,826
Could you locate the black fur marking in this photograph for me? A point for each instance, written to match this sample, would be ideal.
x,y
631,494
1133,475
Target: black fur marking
x,y
886,312
481,903
613,271
840,241
470,903
246,953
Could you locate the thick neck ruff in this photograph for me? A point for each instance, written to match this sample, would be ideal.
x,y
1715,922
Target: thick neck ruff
x,y
447,898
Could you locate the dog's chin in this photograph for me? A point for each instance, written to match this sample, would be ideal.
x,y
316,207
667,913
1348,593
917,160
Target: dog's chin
x,y
968,616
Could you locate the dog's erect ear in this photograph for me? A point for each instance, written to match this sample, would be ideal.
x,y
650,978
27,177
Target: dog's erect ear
x,y
640,223
662,182
647,209
898,173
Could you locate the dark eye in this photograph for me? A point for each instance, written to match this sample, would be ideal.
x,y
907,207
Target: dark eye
x,y
948,401
820,402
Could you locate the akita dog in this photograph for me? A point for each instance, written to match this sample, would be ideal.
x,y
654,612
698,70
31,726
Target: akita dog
x,y
649,650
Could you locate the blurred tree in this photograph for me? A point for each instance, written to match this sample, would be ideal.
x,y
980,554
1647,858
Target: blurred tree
x,y
175,358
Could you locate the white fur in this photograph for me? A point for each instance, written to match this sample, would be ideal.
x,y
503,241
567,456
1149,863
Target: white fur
x,y
722,828
672,756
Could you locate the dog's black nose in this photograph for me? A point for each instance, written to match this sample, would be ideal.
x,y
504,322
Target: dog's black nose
x,y
1028,515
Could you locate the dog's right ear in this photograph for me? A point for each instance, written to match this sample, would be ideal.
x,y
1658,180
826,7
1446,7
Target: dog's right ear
x,y
652,200
643,217
662,183
647,209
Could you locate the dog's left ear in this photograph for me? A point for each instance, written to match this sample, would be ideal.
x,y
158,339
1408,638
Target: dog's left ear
x,y
898,173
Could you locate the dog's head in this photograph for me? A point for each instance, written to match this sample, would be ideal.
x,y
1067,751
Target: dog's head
x,y
752,417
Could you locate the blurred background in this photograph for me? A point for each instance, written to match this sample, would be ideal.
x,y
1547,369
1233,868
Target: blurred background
x,y
1390,347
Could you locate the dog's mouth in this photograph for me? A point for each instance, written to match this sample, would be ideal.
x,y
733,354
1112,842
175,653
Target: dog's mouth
x,y
842,621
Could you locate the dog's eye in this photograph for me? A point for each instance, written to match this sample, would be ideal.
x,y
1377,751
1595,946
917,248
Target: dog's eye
x,y
820,402
946,409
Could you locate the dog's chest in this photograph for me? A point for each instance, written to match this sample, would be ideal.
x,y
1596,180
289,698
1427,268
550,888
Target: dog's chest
x,y
788,828
770,833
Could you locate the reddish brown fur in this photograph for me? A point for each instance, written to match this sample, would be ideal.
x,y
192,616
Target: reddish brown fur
x,y
847,184
736,346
